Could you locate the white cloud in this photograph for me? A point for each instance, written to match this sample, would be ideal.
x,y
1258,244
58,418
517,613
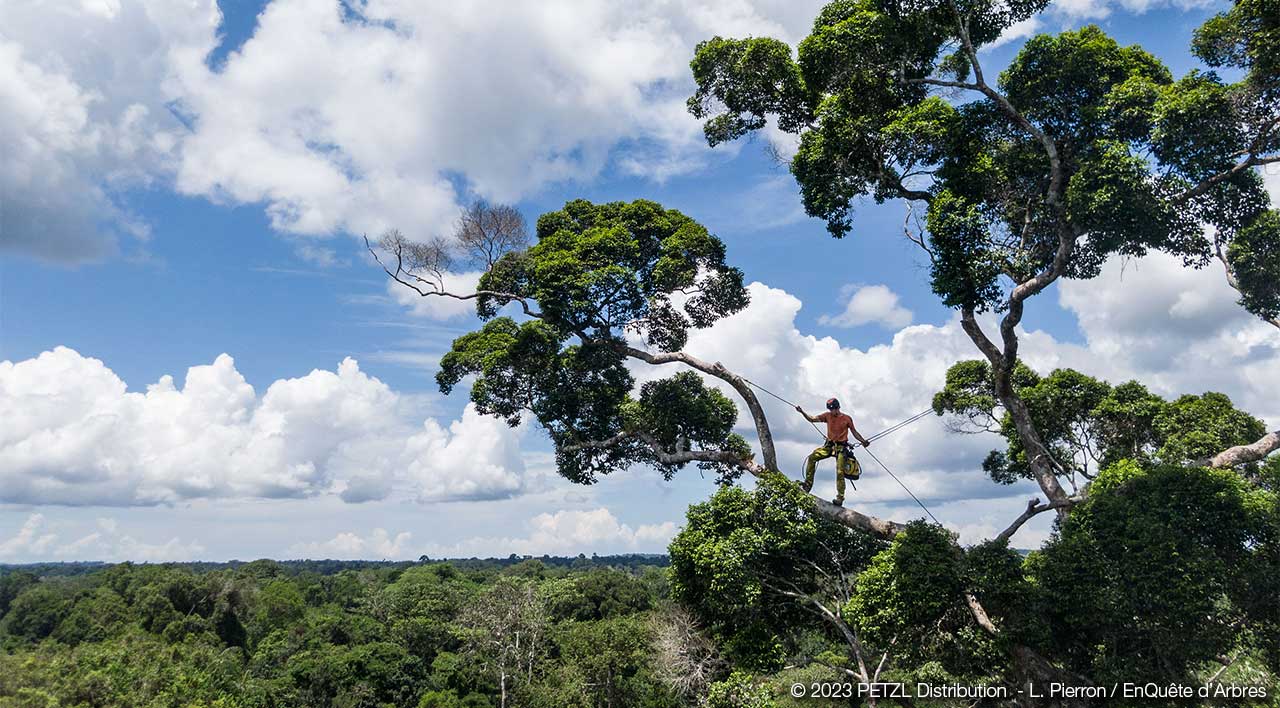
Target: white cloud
x,y
568,532
338,116
71,433
1271,178
35,542
1015,32
870,304
378,545
1177,329
83,117
30,539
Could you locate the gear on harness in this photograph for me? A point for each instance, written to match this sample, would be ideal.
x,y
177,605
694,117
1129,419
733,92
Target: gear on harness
x,y
847,467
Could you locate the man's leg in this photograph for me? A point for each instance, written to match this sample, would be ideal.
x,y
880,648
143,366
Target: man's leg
x,y
810,463
841,461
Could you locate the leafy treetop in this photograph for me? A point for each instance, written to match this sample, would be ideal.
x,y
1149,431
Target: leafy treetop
x,y
1080,149
598,274
1088,424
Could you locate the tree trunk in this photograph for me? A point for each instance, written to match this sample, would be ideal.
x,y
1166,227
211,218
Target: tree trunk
x,y
1002,364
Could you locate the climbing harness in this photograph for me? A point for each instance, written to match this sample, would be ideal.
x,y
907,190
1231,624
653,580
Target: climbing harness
x,y
891,429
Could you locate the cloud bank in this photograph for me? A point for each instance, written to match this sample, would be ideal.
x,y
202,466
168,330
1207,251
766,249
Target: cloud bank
x,y
340,117
71,433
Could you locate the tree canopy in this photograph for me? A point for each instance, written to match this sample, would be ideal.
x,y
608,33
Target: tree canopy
x,y
1079,150
1089,424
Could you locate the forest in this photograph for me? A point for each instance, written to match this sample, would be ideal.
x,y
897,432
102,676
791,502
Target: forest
x,y
529,631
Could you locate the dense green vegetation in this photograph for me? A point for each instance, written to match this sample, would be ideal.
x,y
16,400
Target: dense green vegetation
x,y
548,632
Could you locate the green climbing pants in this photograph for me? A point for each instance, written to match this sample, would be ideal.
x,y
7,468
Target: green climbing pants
x,y
846,465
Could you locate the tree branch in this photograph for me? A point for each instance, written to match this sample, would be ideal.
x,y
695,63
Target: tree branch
x,y
438,288
1243,454
882,528
1252,159
1034,506
1231,278
719,371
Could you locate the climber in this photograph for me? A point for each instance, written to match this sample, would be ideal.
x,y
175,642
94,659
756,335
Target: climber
x,y
839,426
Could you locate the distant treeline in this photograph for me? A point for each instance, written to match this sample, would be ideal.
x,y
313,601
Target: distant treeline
x,y
328,566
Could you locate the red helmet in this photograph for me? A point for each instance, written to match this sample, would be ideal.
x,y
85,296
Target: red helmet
x,y
832,404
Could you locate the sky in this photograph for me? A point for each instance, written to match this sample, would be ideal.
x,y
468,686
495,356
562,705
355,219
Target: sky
x,y
199,361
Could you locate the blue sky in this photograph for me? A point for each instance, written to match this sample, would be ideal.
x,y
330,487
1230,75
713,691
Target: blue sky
x,y
223,218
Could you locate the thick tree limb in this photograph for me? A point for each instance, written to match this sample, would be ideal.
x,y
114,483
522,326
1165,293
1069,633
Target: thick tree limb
x,y
882,528
1251,160
1243,454
1043,467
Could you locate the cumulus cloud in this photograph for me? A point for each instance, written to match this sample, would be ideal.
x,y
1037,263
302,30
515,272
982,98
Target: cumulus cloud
x,y
1177,329
869,304
71,433
339,116
30,540
83,117
568,532
378,544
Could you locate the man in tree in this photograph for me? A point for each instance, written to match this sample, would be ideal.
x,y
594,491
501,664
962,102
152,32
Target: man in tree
x,y
839,426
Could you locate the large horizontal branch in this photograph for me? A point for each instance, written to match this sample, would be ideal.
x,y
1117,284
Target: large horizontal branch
x,y
1244,454
882,528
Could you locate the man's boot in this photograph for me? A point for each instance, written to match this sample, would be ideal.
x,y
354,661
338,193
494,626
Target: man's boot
x,y
838,501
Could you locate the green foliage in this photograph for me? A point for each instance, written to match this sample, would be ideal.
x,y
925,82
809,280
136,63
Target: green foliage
x,y
911,596
871,93
596,270
1158,572
739,550
375,636
1087,423
739,690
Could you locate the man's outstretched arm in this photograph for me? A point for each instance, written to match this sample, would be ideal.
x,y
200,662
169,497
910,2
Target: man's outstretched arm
x,y
810,418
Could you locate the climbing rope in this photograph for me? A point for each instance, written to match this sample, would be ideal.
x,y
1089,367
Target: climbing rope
x,y
891,429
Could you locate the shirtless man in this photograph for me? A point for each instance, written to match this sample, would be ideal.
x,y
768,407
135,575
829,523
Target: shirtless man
x,y
839,426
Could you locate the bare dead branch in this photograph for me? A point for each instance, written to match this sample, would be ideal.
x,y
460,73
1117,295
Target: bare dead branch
x,y
487,232
433,280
